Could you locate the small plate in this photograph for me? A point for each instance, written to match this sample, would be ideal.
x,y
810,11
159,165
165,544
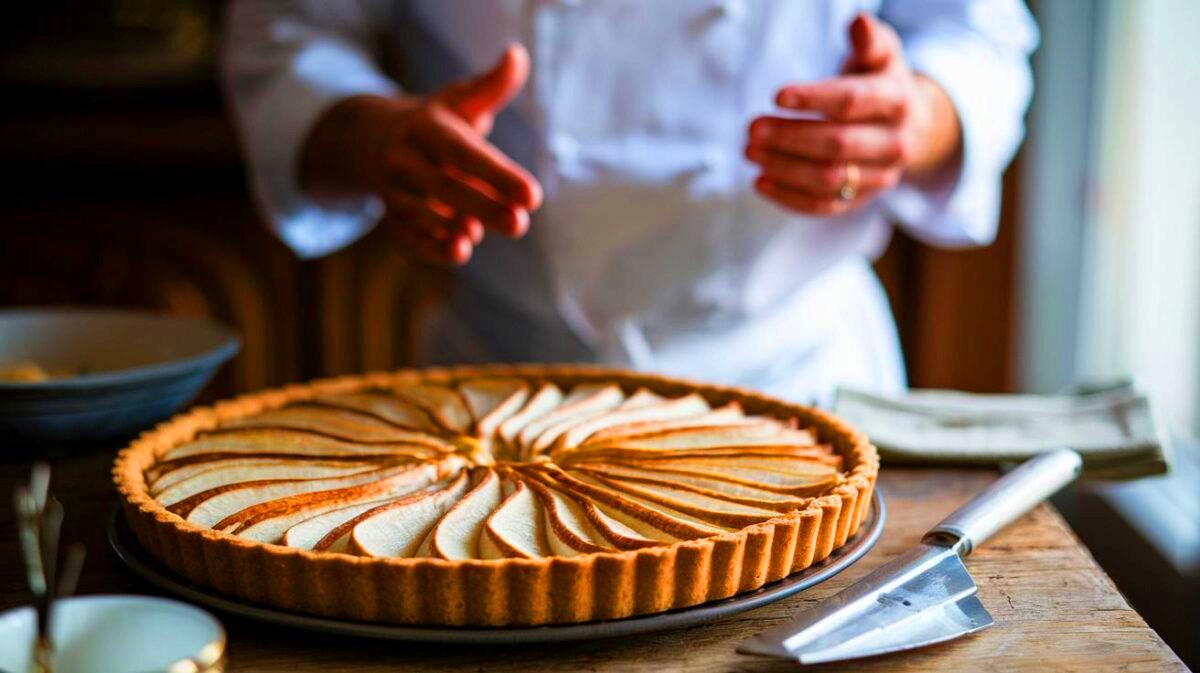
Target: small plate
x,y
117,634
127,548
132,368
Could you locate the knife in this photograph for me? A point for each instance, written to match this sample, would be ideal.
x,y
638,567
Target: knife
x,y
925,595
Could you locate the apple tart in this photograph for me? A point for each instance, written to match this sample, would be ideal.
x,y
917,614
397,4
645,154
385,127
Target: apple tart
x,y
496,496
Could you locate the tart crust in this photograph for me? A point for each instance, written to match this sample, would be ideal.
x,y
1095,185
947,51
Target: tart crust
x,y
501,592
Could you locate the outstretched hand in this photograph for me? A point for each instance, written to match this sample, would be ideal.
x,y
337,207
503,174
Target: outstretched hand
x,y
873,125
429,161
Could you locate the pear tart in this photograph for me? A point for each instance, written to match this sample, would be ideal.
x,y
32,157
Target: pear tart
x,y
495,495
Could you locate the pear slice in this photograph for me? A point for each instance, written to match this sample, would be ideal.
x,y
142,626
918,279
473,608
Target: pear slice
x,y
804,464
584,402
542,402
789,483
660,410
642,397
810,454
267,522
764,433
264,442
443,405
713,509
220,473
607,522
709,486
343,424
642,516
517,529
457,534
396,529
217,504
568,531
307,533
386,407
159,479
493,401
625,537
730,414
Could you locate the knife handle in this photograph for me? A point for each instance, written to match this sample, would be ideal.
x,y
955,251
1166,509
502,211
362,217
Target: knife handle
x,y
1005,500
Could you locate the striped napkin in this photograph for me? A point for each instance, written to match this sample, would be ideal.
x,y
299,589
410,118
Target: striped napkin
x,y
1111,426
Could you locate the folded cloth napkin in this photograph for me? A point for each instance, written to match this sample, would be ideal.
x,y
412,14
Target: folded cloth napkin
x,y
1110,426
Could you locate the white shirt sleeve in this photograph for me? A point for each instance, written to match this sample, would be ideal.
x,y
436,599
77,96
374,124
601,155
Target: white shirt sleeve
x,y
978,52
284,64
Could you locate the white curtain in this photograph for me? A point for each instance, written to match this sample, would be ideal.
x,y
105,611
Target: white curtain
x,y
1140,285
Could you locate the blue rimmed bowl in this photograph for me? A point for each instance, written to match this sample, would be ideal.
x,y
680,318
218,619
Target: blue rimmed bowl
x,y
130,369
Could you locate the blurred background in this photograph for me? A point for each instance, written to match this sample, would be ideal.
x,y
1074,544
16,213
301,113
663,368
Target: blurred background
x,y
125,187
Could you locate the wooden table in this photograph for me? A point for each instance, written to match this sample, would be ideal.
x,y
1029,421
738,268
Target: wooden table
x,y
1055,609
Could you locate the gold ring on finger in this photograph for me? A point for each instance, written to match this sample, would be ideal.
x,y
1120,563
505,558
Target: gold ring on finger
x,y
849,188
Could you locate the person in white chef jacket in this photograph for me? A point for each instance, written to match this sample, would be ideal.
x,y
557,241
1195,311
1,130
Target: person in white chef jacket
x,y
693,187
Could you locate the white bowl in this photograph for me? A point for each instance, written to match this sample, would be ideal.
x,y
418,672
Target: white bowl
x,y
118,634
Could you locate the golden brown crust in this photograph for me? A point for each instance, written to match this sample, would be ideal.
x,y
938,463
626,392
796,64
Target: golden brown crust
x,y
502,592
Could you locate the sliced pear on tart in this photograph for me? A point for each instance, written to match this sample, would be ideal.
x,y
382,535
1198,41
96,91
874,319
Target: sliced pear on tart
x,y
457,534
656,410
709,486
443,405
396,529
713,509
568,530
493,401
217,504
199,477
383,406
290,443
308,533
543,401
763,433
730,414
335,422
517,529
583,402
270,520
649,519
341,423
790,483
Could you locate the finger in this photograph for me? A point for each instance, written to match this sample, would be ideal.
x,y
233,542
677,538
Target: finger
x,y
828,141
473,228
808,204
423,215
468,202
449,142
455,250
819,178
472,198
873,44
848,98
455,224
476,100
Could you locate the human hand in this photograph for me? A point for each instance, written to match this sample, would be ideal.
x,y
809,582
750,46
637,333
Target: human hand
x,y
875,124
427,158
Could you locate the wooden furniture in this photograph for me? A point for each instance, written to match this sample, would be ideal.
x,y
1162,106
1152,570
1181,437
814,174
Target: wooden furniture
x,y
1055,609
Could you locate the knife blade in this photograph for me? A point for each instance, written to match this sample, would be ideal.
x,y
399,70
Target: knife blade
x,y
925,595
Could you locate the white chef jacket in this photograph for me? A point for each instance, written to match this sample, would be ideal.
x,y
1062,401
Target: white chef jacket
x,y
652,250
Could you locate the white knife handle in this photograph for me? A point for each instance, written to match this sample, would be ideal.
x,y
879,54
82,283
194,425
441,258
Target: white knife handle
x,y
1007,499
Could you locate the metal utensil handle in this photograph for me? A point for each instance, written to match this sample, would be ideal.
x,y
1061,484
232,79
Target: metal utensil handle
x,y
1008,498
